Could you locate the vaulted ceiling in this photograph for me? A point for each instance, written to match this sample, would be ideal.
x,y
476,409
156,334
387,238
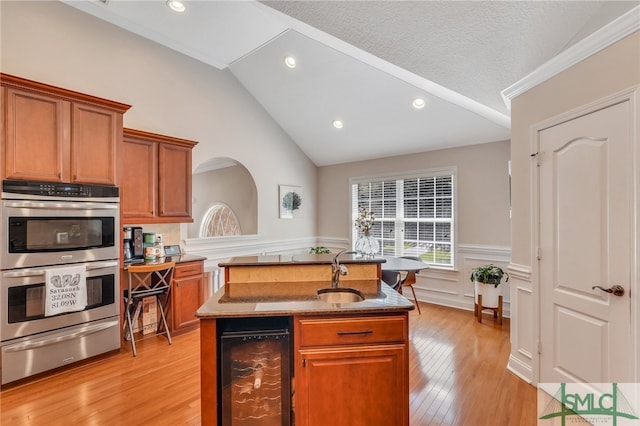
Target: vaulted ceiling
x,y
364,62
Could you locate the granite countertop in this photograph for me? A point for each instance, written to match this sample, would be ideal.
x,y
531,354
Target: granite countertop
x,y
183,258
387,300
298,259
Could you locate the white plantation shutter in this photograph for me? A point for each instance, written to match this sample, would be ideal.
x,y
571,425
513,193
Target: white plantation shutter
x,y
414,214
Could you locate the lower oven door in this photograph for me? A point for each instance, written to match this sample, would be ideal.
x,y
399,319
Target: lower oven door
x,y
22,300
35,354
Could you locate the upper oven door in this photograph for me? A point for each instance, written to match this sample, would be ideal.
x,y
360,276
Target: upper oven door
x,y
37,233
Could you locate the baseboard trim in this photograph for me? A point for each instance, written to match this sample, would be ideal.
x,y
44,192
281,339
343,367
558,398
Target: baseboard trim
x,y
520,369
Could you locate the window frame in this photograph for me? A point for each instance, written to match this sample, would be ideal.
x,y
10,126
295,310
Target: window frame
x,y
207,220
424,173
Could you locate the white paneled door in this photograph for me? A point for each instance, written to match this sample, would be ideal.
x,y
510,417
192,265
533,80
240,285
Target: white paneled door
x,y
585,239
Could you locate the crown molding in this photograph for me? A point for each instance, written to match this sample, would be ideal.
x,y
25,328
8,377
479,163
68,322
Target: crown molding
x,y
599,40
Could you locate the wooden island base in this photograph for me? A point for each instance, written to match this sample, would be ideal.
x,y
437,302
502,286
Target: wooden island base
x,y
350,360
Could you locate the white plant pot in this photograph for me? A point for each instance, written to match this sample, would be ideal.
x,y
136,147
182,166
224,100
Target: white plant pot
x,y
490,294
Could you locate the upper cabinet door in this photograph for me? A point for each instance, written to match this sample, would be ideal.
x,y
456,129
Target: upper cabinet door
x,y
36,136
95,133
154,175
138,177
174,170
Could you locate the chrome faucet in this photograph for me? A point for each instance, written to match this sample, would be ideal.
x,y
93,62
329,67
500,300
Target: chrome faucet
x,y
337,269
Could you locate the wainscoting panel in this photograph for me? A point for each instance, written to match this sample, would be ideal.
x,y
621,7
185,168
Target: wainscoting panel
x,y
453,288
524,353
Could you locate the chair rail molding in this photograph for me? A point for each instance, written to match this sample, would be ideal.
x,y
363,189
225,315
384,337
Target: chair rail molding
x,y
520,272
485,252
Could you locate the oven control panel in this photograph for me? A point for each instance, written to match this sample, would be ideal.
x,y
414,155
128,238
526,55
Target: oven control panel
x,y
57,189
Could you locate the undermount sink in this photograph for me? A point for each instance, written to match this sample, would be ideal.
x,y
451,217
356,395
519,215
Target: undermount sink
x,y
340,295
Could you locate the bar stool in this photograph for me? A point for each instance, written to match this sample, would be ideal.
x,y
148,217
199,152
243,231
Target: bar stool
x,y
145,281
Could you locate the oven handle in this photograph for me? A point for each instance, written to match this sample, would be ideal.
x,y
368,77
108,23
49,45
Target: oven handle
x,y
32,272
87,330
24,204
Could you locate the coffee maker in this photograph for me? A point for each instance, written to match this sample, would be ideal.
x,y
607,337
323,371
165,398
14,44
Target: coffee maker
x,y
132,241
127,237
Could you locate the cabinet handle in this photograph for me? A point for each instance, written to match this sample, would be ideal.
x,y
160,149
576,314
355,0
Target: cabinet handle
x,y
348,333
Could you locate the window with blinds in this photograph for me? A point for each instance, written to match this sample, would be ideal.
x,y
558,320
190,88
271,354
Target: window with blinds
x,y
414,216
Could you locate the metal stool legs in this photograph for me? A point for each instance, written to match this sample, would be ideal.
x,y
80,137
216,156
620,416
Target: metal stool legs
x,y
130,310
148,281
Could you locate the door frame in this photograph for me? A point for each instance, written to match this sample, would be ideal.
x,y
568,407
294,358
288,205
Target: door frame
x,y
630,95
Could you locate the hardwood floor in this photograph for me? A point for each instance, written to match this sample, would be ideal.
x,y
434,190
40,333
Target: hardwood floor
x,y
457,377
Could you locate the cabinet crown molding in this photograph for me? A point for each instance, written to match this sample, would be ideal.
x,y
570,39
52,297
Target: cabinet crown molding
x,y
12,81
155,137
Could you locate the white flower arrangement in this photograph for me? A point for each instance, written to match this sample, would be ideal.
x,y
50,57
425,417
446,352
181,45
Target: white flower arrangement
x,y
364,221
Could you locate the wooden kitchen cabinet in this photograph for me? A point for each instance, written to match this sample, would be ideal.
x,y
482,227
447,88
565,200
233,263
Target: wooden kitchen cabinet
x,y
154,176
174,184
187,294
351,370
53,134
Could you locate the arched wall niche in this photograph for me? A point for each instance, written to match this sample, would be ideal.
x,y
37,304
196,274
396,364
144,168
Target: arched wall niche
x,y
224,180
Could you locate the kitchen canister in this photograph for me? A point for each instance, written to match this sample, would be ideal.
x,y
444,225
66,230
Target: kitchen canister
x,y
150,253
149,238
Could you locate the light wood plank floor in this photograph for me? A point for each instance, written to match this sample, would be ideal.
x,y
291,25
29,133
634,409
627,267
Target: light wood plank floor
x,y
457,377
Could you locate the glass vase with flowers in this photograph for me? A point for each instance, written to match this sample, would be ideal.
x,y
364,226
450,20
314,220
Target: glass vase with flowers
x,y
366,245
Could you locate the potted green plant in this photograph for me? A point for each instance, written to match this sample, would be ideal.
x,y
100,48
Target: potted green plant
x,y
319,250
487,278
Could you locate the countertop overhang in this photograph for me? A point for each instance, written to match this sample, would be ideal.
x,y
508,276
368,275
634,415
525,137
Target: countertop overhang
x,y
298,259
183,258
387,300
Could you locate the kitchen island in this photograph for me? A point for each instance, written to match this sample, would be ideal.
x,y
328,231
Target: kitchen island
x,y
350,360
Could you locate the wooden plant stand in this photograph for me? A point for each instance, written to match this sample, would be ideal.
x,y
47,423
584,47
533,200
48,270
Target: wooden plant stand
x,y
497,312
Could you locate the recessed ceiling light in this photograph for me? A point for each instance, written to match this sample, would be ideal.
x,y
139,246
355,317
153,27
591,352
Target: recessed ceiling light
x,y
290,61
338,124
418,103
176,5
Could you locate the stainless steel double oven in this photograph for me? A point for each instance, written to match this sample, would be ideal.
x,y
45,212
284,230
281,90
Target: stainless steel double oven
x,y
47,225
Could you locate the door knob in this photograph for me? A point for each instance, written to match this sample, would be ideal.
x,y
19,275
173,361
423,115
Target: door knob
x,y
616,290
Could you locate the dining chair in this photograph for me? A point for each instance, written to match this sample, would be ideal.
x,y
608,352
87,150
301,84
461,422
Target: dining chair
x,y
409,280
392,278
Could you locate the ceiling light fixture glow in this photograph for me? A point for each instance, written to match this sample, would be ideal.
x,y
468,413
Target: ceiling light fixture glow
x,y
290,61
338,124
176,5
418,103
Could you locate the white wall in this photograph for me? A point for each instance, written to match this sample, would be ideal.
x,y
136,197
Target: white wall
x,y
170,94
483,225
